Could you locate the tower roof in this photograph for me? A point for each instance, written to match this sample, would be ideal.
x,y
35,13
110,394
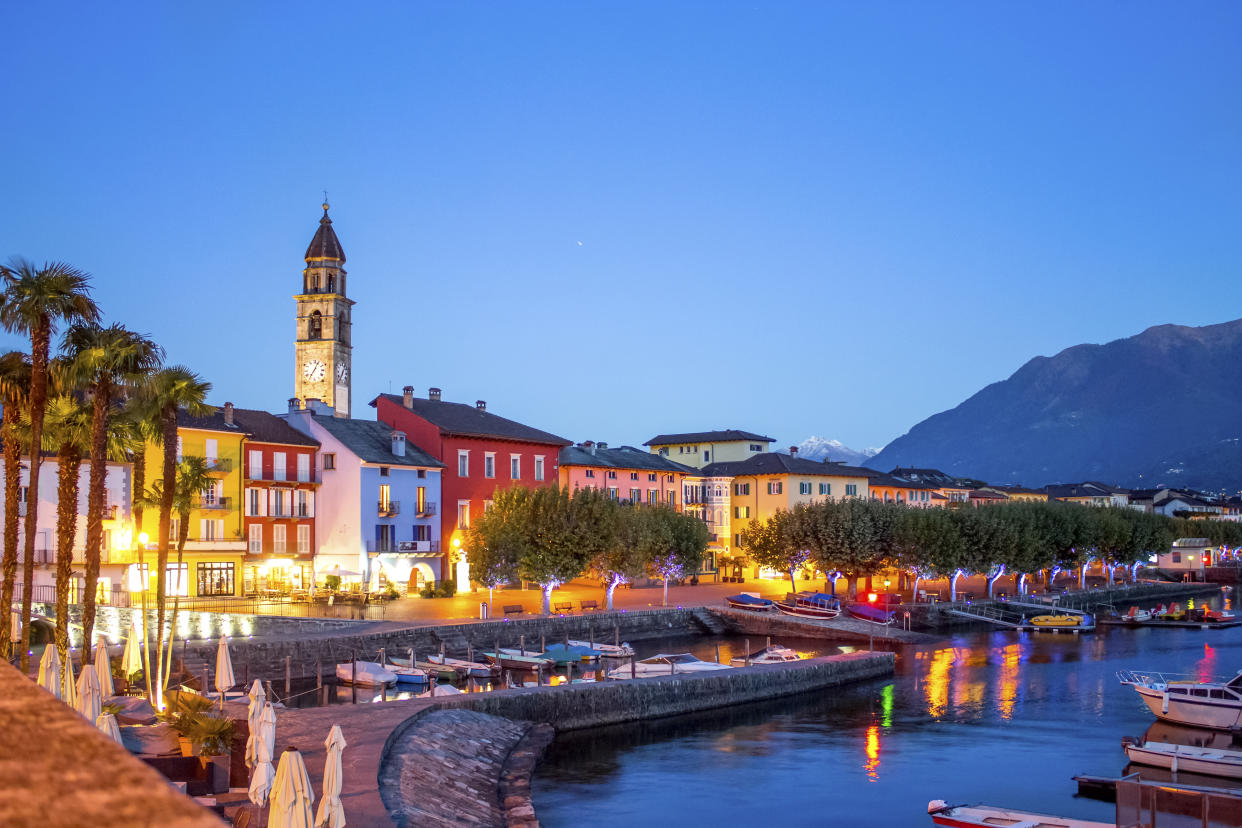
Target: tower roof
x,y
325,245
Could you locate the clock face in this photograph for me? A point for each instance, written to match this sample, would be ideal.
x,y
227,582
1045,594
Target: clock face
x,y
342,373
314,370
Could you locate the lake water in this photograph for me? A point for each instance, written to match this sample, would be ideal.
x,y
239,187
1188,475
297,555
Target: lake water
x,y
999,717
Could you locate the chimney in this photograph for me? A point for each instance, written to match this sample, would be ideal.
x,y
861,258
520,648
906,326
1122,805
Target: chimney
x,y
433,394
601,445
295,405
407,396
398,443
481,405
793,451
589,445
228,413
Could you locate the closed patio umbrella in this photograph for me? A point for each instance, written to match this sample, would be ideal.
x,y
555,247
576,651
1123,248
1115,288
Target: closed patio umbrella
x,y
224,669
331,813
263,774
291,793
257,699
90,700
49,671
131,660
68,688
108,724
103,670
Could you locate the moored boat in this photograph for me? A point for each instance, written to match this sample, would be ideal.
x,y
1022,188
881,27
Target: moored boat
x,y
1210,761
987,816
364,674
811,605
867,612
750,602
665,664
622,650
772,654
516,660
1199,703
572,654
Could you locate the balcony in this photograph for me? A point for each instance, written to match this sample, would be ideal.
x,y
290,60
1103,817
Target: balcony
x,y
390,509
426,510
219,465
214,503
111,512
419,546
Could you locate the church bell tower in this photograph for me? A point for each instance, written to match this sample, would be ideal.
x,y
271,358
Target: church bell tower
x,y
324,348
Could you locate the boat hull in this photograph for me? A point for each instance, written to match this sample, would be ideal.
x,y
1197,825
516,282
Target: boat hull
x,y
808,612
1189,760
1196,712
983,816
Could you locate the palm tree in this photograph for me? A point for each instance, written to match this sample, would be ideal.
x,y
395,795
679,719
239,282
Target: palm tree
x,y
104,360
192,480
168,391
14,388
34,301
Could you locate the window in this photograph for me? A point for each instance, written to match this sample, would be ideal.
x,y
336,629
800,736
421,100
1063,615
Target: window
x,y
707,455
737,540
804,488
651,478
851,489
612,492
489,464
633,475
256,539
487,504
210,450
741,488
278,539
636,495
177,579
305,503
463,463
211,530
664,452
775,487
672,498
653,496
515,467
1177,557
215,579
329,461
539,467
385,538
278,465
383,471
590,472
253,501
420,500
303,468
756,447
174,529
256,465
385,497
825,488
304,540
422,474
741,512
612,475
463,514
278,503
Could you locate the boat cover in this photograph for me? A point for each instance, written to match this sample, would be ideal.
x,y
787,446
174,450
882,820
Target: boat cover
x,y
743,598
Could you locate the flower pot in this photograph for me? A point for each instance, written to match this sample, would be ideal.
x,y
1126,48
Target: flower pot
x,y
187,747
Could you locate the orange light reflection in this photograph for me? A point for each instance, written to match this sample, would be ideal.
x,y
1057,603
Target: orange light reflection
x,y
1011,659
873,752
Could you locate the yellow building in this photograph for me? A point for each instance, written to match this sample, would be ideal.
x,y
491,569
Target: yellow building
x,y
215,546
701,448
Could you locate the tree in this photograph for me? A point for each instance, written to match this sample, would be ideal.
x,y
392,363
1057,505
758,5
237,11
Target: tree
x,y
633,541
104,361
493,539
192,480
167,392
682,553
931,545
14,388
779,542
35,300
857,537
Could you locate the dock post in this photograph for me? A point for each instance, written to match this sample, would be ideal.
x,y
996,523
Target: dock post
x,y
521,645
353,677
318,674
717,652
288,673
633,666
543,644
616,635
747,640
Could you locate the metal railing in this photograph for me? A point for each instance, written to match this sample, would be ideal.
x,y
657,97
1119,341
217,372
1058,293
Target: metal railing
x,y
426,510
418,546
214,503
390,509
219,464
348,606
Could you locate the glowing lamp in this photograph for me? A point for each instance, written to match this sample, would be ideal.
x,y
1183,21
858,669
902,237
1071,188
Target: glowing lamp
x,y
143,538
871,596
457,543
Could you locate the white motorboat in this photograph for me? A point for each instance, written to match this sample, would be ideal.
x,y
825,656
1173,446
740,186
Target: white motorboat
x,y
987,816
1200,703
1210,761
623,650
440,690
665,664
364,674
773,654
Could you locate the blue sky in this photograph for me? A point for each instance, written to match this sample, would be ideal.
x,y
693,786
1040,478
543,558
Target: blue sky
x,y
615,219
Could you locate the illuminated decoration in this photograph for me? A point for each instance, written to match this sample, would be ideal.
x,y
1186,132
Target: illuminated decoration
x,y
886,706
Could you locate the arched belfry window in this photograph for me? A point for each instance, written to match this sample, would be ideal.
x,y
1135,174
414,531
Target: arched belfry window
x,y
315,328
314,283
331,283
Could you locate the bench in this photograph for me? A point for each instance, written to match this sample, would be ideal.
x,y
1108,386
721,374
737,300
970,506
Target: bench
x,y
513,609
563,606
591,606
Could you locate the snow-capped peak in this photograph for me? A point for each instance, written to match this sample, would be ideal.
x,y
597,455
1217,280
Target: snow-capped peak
x,y
821,448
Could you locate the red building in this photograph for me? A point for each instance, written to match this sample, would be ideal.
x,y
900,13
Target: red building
x,y
481,452
278,507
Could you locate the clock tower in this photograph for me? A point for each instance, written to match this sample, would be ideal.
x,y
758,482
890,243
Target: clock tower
x,y
324,346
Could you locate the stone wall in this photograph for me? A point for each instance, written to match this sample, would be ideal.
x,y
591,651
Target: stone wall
x,y
844,629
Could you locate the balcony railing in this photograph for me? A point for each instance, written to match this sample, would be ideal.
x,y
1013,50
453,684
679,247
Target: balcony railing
x,y
214,503
222,465
419,546
390,509
426,510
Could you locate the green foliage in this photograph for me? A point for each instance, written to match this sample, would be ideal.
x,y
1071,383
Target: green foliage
x,y
213,736
447,588
428,591
332,582
781,542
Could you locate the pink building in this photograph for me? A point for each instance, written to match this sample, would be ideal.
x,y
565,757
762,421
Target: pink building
x,y
626,473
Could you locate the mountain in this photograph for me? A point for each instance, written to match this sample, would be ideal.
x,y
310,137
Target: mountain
x,y
1159,408
819,448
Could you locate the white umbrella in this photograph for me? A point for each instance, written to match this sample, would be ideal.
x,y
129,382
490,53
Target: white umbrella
x,y
49,671
224,669
257,699
90,700
15,627
331,813
68,690
103,670
263,774
131,660
291,793
107,723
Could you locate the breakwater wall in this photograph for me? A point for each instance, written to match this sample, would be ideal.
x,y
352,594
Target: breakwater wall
x,y
841,629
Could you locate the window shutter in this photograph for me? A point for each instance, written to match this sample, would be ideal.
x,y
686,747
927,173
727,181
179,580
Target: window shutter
x,y
310,503
202,529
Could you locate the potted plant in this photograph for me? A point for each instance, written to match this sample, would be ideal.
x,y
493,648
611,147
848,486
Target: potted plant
x,y
214,739
182,714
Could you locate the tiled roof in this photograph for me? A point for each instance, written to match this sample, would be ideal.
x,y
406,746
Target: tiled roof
x,y
624,457
209,422
772,463
881,479
469,421
707,437
325,244
1059,490
981,494
265,427
371,441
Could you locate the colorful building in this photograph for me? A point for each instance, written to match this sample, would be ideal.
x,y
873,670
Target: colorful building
x,y
377,507
1019,494
480,451
889,489
701,448
627,474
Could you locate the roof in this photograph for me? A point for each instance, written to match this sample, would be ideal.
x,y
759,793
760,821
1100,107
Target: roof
x,y
265,427
707,437
209,422
467,420
934,476
371,441
1015,490
624,457
1061,490
772,463
983,494
880,479
325,245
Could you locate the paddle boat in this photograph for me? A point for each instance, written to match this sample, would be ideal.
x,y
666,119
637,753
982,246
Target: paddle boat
x,y
868,612
988,816
1059,622
1184,758
811,605
750,602
772,654
1134,615
622,650
364,674
665,664
1210,704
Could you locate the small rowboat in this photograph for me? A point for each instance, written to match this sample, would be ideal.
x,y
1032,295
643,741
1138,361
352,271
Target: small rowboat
x,y
571,654
867,612
811,605
622,650
1210,761
986,816
513,660
750,602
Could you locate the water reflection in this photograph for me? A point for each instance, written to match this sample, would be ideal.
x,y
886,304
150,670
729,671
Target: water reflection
x,y
873,753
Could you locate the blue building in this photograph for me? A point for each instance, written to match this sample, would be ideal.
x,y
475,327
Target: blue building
x,y
378,516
